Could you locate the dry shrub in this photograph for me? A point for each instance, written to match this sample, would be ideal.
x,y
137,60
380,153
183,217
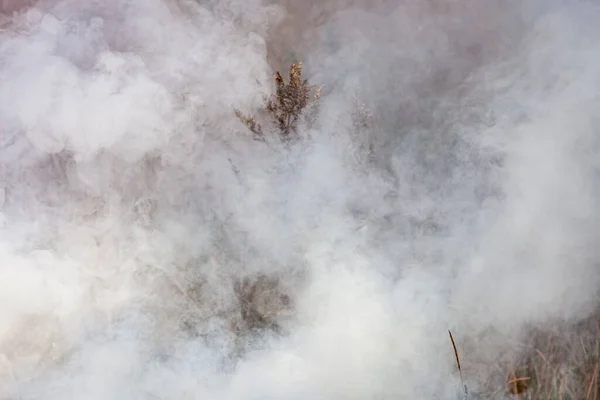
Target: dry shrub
x,y
293,104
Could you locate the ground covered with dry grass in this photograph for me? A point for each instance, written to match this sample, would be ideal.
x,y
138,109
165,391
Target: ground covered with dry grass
x,y
561,362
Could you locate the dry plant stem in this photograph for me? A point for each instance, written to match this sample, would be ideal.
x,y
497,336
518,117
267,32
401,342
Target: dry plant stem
x,y
251,124
593,384
516,385
458,364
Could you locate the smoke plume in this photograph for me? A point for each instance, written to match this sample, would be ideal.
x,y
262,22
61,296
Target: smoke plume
x,y
138,217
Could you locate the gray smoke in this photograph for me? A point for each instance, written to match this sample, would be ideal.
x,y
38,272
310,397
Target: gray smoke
x,y
134,204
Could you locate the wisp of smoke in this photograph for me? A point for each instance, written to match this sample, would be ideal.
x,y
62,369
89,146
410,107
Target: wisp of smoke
x,y
135,208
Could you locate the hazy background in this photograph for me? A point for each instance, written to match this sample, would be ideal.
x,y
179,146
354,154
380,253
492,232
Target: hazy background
x,y
133,200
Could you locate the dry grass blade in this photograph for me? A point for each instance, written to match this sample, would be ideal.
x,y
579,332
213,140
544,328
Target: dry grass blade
x,y
458,364
593,379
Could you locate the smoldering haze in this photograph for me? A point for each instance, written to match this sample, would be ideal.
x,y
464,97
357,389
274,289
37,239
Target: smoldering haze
x,y
133,200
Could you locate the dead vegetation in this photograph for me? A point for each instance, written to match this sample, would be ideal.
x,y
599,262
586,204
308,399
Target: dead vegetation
x,y
261,301
561,362
292,111
462,381
261,304
293,104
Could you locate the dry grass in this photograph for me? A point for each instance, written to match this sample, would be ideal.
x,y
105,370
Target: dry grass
x,y
557,363
562,364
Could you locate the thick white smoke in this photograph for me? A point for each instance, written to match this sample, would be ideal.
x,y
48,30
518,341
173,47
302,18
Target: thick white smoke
x,y
134,202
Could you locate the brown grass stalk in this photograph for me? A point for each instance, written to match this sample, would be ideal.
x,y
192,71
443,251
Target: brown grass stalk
x,y
458,364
